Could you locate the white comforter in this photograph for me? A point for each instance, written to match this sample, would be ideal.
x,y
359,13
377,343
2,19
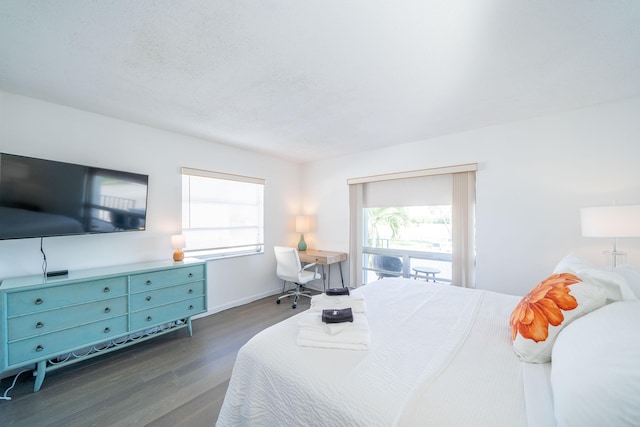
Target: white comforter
x,y
439,356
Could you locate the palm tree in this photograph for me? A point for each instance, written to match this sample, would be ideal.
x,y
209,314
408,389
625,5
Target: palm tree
x,y
394,218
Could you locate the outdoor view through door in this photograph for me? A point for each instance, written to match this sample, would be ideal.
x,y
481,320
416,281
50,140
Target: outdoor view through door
x,y
417,224
409,241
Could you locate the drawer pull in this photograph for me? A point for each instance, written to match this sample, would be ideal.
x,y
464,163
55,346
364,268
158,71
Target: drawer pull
x,y
39,325
190,275
39,301
148,282
191,307
39,348
106,289
148,318
190,291
148,298
107,330
107,310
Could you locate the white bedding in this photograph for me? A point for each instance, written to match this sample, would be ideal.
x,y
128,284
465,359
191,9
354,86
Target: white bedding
x,y
438,355
538,395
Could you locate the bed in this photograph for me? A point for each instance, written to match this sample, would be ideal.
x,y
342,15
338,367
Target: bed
x,y
438,356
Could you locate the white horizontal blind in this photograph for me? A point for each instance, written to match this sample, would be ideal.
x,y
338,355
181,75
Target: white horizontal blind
x,y
222,214
422,191
222,175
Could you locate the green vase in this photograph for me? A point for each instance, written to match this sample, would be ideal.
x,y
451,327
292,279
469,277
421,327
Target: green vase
x,y
302,245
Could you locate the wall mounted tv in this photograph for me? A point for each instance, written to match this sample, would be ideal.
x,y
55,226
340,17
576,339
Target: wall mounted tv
x,y
42,198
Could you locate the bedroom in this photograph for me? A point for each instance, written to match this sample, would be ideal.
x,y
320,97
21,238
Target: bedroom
x,y
535,172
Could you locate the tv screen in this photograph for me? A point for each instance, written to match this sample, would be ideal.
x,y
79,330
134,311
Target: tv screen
x,y
42,198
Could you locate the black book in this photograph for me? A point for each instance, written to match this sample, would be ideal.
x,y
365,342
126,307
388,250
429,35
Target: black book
x,y
337,315
337,291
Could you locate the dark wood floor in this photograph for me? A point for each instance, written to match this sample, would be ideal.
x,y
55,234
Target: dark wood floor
x,y
172,380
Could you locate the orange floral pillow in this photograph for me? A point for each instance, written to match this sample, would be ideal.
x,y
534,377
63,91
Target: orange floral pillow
x,y
550,306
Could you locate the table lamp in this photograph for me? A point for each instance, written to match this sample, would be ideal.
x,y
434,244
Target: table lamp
x,y
303,225
177,243
612,222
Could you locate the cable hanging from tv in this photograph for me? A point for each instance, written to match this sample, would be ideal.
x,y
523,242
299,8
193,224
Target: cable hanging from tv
x,y
44,257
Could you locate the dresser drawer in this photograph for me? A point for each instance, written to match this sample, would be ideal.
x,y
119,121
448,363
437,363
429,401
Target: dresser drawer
x,y
159,279
167,313
42,299
154,298
48,345
50,321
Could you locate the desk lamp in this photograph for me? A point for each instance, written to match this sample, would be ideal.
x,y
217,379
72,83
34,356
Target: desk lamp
x,y
612,222
177,243
303,225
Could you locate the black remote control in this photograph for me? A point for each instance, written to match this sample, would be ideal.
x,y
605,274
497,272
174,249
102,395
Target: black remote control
x,y
57,273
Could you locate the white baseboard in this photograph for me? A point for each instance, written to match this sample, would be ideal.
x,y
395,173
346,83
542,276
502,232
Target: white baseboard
x,y
251,298
238,302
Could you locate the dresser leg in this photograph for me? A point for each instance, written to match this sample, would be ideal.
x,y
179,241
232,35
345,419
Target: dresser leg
x,y
190,330
41,370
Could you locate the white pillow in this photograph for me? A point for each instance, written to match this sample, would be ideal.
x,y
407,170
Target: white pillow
x,y
614,284
595,373
632,276
546,309
571,263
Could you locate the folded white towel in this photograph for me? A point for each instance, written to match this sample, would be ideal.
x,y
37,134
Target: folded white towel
x,y
339,298
313,321
322,302
313,332
309,342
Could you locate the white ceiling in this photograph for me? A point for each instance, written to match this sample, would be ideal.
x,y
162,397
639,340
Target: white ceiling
x,y
311,79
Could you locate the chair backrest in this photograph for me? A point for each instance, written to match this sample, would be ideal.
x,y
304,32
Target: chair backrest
x,y
387,263
289,265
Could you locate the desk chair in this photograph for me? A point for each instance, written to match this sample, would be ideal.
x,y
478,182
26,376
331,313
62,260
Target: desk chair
x,y
387,266
289,269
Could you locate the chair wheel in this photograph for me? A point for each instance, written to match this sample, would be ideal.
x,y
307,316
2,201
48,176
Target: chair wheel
x,y
277,301
294,305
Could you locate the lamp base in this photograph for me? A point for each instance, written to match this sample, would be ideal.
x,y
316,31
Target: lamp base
x,y
302,245
615,258
178,255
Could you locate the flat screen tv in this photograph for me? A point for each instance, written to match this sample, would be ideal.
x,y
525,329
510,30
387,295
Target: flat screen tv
x,y
43,198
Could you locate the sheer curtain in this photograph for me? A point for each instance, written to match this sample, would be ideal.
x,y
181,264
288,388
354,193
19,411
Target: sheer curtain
x,y
455,184
463,229
355,233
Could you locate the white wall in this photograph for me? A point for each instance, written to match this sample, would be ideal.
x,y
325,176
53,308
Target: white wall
x,y
533,177
34,128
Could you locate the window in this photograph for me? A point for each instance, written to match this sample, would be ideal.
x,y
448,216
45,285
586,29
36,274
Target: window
x,y
414,224
222,214
417,236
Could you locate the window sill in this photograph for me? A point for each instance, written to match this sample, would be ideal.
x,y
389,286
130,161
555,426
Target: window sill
x,y
218,257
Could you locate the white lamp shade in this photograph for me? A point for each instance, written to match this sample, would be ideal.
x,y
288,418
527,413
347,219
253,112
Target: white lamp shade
x,y
611,221
177,241
303,224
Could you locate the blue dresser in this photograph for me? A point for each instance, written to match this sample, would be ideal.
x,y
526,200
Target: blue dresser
x,y
53,322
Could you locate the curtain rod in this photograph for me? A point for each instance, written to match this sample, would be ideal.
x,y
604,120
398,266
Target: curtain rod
x,y
468,167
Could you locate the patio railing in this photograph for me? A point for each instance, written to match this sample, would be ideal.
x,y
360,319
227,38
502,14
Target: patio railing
x,y
440,260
